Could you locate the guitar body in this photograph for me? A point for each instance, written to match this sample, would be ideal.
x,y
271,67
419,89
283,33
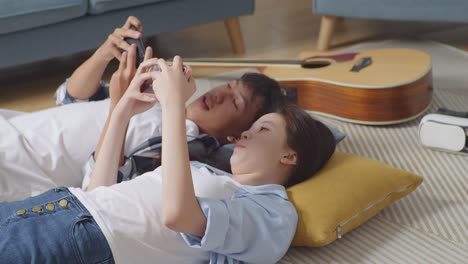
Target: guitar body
x,y
394,88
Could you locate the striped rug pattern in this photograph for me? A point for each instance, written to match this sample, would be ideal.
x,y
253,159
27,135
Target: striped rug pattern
x,y
429,225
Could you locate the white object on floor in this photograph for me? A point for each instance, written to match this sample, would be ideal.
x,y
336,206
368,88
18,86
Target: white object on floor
x,y
443,132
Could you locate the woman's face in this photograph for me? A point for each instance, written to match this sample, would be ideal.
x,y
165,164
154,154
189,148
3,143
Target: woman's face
x,y
262,149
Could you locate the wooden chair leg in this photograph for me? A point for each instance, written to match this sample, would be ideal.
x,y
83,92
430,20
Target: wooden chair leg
x,y
327,26
235,35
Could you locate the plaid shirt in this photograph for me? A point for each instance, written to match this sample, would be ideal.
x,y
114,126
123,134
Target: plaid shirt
x,y
62,97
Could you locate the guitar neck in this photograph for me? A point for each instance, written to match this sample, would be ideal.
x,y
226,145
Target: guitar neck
x,y
239,63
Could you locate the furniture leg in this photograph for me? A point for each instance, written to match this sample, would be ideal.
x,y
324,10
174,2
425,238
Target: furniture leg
x,y
327,26
235,35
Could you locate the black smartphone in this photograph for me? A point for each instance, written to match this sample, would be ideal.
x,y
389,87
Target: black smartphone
x,y
140,56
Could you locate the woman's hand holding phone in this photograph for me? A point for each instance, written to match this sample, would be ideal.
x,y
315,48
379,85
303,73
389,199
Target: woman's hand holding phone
x,y
135,100
173,84
123,76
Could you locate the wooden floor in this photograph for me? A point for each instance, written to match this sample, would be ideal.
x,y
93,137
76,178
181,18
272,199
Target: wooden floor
x,y
279,29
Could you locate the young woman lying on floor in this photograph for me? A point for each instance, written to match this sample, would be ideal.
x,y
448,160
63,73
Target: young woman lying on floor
x,y
182,212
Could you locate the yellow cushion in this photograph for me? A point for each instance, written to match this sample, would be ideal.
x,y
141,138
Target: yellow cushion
x,y
345,193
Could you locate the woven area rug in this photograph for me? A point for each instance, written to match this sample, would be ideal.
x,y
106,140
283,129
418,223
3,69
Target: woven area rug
x,y
430,225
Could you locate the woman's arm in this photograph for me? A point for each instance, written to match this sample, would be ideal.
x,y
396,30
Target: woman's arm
x,y
107,165
118,85
181,211
133,101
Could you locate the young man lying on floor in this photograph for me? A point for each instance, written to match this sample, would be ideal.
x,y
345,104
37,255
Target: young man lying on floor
x,y
50,148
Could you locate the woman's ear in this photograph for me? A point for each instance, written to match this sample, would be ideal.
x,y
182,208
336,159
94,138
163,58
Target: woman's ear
x,y
289,159
231,139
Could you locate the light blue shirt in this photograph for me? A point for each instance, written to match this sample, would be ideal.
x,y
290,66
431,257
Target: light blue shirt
x,y
256,225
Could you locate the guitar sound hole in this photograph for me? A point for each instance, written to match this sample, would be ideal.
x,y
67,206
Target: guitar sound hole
x,y
314,64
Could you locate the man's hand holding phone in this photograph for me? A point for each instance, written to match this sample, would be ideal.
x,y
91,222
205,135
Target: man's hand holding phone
x,y
140,47
116,43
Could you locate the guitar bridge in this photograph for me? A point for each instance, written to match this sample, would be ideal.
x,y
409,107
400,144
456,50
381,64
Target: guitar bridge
x,y
361,64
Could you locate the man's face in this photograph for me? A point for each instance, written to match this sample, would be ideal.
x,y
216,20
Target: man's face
x,y
226,110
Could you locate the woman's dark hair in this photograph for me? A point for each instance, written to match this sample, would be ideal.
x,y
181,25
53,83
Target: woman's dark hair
x,y
265,87
313,142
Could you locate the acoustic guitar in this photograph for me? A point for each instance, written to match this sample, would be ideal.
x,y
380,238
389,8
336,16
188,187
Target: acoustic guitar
x,y
374,87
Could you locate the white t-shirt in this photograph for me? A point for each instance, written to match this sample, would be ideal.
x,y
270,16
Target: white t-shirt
x,y
50,148
128,214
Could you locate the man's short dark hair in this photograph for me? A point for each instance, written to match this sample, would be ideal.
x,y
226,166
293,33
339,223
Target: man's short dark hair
x,y
266,88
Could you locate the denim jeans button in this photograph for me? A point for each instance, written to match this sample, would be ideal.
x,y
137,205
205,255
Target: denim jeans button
x,y
36,209
49,207
63,203
21,212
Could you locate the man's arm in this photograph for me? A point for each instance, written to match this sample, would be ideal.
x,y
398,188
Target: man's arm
x,y
84,81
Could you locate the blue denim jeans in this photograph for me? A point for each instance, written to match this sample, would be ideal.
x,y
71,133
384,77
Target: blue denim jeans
x,y
53,227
